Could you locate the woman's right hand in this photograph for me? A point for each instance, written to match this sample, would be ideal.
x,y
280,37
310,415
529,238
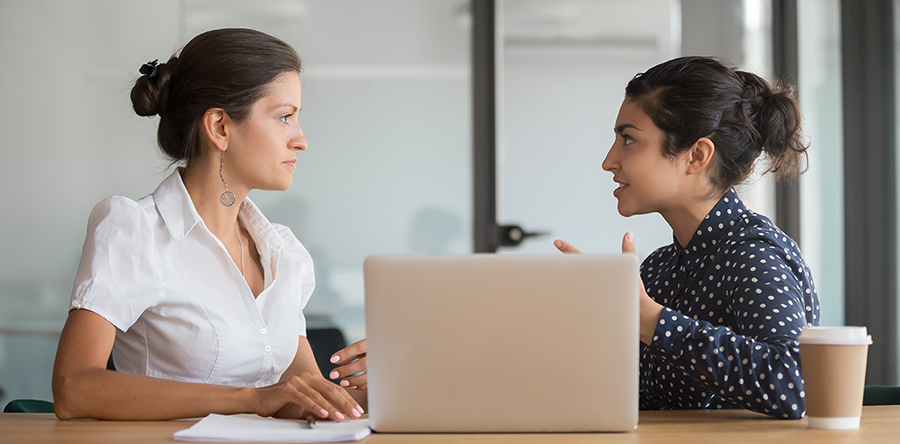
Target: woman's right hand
x,y
649,309
305,395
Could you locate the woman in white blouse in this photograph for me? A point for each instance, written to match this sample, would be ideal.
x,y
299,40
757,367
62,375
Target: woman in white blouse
x,y
201,295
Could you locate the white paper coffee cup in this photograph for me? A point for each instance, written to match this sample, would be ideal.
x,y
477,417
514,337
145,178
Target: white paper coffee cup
x,y
834,375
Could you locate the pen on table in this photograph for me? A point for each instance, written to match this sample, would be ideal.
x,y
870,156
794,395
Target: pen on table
x,y
312,421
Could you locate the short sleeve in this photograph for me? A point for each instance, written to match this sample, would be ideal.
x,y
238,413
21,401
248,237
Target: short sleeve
x,y
302,263
118,277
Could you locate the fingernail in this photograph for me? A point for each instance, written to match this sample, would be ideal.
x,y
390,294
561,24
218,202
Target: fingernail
x,y
323,413
335,359
629,236
360,409
354,413
338,415
557,243
345,383
334,375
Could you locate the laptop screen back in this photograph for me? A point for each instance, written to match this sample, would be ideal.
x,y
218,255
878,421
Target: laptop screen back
x,y
502,343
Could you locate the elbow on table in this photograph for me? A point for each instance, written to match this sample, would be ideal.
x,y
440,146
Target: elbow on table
x,y
790,409
791,414
65,398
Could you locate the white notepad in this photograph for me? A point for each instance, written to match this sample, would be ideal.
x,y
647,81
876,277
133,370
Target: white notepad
x,y
226,428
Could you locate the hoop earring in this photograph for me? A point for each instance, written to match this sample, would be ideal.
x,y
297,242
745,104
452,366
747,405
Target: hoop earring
x,y
227,198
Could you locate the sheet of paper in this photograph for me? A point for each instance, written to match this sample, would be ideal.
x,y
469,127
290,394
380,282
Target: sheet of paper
x,y
227,428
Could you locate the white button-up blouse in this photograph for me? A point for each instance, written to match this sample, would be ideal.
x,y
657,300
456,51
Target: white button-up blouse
x,y
181,306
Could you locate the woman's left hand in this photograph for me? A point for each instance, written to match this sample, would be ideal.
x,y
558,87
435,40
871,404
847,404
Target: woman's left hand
x,y
351,360
650,309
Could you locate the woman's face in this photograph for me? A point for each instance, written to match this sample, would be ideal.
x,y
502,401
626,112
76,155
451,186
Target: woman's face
x,y
263,147
648,180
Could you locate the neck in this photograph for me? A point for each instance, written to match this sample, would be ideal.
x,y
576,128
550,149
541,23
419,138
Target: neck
x,y
686,218
201,179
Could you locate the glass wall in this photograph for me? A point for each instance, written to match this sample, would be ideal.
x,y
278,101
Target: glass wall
x,y
565,67
821,188
758,191
386,110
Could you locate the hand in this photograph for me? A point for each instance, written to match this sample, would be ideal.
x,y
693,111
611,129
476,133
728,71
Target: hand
x,y
351,360
306,395
650,309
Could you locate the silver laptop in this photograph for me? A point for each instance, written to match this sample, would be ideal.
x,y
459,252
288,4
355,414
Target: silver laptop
x,y
502,343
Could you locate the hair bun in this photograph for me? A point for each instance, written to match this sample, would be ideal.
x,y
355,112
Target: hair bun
x,y
148,96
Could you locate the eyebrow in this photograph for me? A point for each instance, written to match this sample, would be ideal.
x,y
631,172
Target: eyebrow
x,y
287,105
624,127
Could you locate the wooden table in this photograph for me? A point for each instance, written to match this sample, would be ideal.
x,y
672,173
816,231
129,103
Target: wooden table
x,y
880,424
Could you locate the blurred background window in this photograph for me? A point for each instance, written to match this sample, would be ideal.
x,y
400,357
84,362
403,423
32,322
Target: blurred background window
x,y
387,110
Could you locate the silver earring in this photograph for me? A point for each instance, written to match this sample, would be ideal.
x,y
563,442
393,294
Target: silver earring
x,y
227,198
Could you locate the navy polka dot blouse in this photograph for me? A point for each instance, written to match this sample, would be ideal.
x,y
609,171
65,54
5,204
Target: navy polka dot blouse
x,y
734,302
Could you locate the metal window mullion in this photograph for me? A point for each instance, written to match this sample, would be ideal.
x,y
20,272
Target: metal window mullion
x,y
785,58
484,127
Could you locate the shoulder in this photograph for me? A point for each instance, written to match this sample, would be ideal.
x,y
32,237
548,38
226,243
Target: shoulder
x,y
659,255
756,233
120,212
292,246
658,261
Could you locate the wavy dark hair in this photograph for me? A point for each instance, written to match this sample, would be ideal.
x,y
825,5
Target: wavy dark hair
x,y
693,97
229,69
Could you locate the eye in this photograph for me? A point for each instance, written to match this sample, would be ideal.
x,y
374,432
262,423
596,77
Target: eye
x,y
628,140
285,117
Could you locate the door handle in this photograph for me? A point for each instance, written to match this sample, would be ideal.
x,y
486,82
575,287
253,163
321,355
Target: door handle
x,y
513,235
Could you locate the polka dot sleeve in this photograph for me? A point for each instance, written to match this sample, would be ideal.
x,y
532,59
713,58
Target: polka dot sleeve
x,y
763,376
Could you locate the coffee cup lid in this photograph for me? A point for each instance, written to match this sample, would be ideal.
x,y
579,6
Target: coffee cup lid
x,y
835,335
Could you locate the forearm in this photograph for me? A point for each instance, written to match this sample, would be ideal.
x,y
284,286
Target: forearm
x,y
102,394
757,375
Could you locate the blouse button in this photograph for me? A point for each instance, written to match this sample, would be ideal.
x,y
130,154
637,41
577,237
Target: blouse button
x,y
263,331
268,348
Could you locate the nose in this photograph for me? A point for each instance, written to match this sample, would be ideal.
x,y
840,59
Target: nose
x,y
298,142
610,163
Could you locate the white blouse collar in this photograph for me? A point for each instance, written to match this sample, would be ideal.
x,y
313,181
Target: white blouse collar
x,y
177,211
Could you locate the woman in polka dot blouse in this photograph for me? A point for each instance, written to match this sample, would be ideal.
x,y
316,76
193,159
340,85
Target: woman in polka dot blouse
x,y
725,302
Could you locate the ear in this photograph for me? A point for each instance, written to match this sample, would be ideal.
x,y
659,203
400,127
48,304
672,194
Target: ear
x,y
215,127
700,155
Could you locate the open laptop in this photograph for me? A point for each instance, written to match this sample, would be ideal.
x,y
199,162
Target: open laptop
x,y
502,343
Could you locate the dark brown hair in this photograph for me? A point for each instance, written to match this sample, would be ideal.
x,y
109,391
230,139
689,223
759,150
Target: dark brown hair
x,y
693,97
226,68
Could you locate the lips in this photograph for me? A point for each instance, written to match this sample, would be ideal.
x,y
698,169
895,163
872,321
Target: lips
x,y
291,163
619,190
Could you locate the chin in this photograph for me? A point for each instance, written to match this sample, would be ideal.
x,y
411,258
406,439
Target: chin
x,y
624,211
284,186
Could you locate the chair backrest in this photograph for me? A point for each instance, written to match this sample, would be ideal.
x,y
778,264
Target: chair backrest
x,y
324,342
28,406
881,395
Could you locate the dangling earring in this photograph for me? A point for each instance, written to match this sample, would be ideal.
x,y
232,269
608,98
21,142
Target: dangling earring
x,y
227,198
